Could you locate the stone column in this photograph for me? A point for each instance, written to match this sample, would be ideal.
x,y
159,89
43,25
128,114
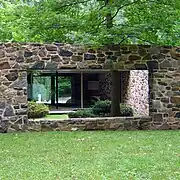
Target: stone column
x,y
165,92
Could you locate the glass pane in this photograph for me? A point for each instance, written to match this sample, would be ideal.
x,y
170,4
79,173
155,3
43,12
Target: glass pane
x,y
42,89
64,89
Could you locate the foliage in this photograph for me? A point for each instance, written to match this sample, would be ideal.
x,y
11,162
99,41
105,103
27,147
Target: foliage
x,y
36,110
84,113
157,21
92,100
102,108
125,110
84,21
64,86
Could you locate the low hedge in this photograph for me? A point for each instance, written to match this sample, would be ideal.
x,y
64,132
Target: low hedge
x,y
101,109
36,110
81,114
125,110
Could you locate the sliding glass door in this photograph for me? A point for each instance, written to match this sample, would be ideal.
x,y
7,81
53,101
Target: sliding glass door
x,y
64,90
39,88
50,88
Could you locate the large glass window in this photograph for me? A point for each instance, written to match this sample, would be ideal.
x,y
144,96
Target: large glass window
x,y
50,88
64,89
73,90
41,88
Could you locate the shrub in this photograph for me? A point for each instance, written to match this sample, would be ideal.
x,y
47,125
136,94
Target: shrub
x,y
93,100
102,108
125,110
36,110
81,114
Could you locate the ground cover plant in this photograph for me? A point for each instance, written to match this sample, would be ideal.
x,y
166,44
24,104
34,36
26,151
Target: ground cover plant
x,y
90,155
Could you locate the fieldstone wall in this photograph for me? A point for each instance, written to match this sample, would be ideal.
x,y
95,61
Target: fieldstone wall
x,y
13,98
163,64
85,124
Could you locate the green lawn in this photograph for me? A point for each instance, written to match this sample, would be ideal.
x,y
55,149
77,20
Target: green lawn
x,y
53,117
91,155
56,116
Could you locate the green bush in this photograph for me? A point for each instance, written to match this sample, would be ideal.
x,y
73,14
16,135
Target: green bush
x,y
102,108
125,110
36,110
81,114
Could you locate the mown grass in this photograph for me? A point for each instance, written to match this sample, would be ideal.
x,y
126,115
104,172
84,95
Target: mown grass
x,y
57,116
92,155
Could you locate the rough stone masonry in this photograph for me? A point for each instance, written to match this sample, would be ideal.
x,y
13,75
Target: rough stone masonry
x,y
163,64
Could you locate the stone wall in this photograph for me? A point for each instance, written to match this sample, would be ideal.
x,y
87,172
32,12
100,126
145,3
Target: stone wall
x,y
85,124
13,98
137,95
163,64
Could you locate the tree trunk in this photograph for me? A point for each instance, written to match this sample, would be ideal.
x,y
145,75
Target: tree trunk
x,y
115,99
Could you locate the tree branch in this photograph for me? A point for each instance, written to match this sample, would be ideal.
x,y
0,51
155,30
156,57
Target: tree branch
x,y
124,39
121,7
102,7
139,38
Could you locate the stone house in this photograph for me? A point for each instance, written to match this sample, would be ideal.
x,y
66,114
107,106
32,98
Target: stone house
x,y
156,67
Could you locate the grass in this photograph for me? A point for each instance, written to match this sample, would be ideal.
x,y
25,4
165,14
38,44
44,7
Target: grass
x,y
93,155
56,116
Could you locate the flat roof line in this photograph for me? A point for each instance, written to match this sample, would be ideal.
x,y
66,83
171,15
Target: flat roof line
x,y
75,70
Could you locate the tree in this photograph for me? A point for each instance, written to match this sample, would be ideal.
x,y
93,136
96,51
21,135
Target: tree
x,y
84,21
115,105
